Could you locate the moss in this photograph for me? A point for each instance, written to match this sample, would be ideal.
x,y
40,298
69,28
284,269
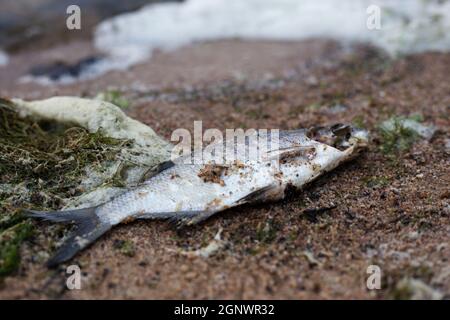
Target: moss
x,y
359,122
125,247
367,60
118,180
266,232
377,182
115,97
9,216
313,106
10,242
392,280
49,158
397,139
41,166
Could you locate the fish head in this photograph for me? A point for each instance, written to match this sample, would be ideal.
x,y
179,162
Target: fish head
x,y
340,136
323,148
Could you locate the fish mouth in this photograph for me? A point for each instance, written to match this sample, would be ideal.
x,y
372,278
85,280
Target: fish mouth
x,y
359,138
341,130
340,136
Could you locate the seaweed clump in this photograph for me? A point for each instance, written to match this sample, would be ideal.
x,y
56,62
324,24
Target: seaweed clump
x,y
397,137
42,164
115,97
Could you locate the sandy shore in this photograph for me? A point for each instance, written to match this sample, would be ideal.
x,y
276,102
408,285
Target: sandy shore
x,y
392,211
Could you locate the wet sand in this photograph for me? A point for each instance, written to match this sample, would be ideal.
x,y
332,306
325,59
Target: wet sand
x,y
392,211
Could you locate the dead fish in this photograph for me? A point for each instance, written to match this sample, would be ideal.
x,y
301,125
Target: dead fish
x,y
185,193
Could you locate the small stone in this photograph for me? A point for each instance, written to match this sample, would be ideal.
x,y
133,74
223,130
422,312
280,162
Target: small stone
x,y
447,146
415,289
311,259
184,268
337,108
191,275
413,235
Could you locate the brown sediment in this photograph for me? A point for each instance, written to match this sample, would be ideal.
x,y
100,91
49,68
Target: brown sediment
x,y
131,218
213,173
238,164
316,167
217,202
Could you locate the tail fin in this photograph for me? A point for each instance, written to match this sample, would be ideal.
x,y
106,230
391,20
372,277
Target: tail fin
x,y
89,228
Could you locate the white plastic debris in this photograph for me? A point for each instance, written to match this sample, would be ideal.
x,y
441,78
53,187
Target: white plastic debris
x,y
93,115
212,248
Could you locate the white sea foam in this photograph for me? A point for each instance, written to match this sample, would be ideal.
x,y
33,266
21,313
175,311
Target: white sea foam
x,y
4,58
407,26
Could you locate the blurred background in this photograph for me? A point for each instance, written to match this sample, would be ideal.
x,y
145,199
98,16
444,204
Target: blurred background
x,y
33,23
117,35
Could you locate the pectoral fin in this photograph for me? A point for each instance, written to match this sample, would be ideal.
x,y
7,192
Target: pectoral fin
x,y
287,153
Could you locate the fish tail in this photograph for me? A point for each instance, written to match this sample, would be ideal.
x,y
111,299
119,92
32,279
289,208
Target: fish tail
x,y
89,228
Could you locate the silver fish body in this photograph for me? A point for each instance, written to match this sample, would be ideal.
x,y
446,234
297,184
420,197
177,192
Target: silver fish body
x,y
191,193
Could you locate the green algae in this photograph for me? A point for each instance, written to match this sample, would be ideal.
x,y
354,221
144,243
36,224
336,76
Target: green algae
x,y
125,247
42,164
115,97
397,138
10,243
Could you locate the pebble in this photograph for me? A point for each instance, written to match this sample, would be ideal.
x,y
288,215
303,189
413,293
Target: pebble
x,y
413,235
447,145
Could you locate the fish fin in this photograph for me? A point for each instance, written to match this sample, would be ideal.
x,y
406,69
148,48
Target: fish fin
x,y
157,170
181,218
289,153
89,228
188,218
267,193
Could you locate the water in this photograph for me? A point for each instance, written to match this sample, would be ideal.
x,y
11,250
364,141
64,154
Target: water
x,y
407,26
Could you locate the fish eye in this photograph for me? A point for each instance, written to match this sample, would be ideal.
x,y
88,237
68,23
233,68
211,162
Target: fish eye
x,y
348,135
